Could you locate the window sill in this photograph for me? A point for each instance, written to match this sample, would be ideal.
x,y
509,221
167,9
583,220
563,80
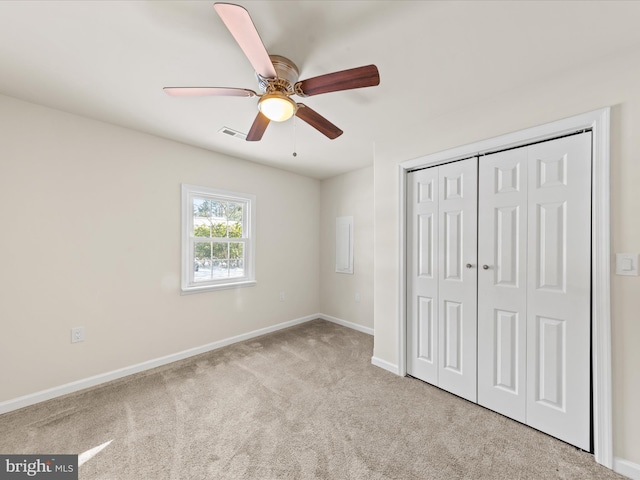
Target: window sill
x,y
212,288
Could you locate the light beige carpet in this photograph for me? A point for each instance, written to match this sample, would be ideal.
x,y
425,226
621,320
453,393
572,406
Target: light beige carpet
x,y
300,403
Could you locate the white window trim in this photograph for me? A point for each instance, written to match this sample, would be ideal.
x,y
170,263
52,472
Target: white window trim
x,y
249,279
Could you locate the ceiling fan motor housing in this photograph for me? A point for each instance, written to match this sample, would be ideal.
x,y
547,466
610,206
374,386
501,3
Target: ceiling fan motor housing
x,y
287,75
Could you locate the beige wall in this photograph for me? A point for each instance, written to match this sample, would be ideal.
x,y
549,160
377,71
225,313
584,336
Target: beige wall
x,y
350,194
612,81
90,237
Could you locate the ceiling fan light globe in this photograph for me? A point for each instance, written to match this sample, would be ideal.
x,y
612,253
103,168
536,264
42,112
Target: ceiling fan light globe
x,y
277,107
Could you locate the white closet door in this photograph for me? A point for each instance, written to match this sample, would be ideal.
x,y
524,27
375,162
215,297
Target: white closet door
x,y
502,286
422,278
558,288
442,292
532,319
457,284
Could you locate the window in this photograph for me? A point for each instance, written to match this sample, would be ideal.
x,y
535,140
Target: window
x,y
218,230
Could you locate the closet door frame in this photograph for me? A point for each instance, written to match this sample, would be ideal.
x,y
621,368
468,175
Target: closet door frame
x,y
598,121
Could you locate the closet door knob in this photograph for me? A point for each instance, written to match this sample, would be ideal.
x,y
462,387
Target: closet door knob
x,y
485,267
469,265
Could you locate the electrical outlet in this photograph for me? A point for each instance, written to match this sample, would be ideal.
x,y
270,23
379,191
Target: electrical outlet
x,y
77,334
357,297
282,296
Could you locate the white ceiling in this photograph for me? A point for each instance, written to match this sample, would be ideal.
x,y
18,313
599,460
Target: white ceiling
x,y
109,60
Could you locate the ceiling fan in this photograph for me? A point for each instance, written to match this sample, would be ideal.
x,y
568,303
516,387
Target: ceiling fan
x,y
278,80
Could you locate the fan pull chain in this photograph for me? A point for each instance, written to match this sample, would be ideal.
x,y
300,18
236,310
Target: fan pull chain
x,y
294,137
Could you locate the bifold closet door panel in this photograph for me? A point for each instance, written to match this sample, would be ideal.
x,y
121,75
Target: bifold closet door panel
x,y
500,313
558,288
441,290
422,279
457,273
502,285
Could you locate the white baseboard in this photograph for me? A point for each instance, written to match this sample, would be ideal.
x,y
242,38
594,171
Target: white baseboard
x,y
41,396
378,362
345,323
626,468
37,397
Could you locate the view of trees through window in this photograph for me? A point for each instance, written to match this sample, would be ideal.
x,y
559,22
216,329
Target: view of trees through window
x,y
218,234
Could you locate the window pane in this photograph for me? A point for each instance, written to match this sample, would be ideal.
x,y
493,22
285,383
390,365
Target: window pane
x,y
218,260
201,229
202,261
235,229
220,251
235,220
236,259
209,218
202,252
201,270
210,262
219,229
235,212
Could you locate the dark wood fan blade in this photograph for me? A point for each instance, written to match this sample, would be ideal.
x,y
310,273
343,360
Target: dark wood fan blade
x,y
212,91
359,77
317,121
239,23
260,124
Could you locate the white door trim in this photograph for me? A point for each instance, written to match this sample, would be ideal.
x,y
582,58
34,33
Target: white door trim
x,y
599,122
